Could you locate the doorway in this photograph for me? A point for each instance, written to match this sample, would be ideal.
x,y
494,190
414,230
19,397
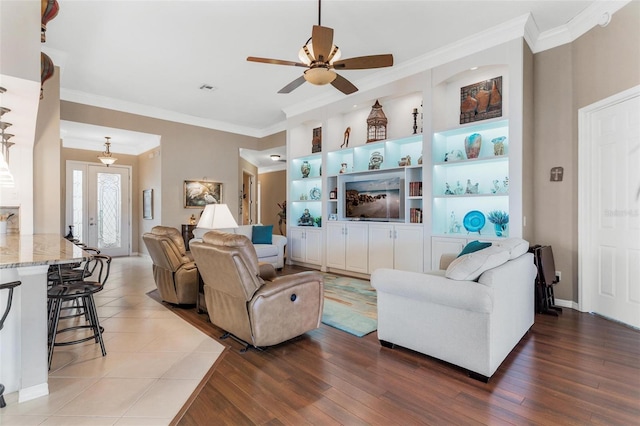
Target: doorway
x,y
246,208
98,206
609,208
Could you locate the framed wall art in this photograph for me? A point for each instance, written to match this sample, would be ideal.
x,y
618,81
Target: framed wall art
x,y
199,193
147,204
481,101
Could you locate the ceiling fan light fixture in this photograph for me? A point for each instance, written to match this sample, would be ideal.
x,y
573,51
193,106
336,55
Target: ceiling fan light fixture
x,y
306,54
319,76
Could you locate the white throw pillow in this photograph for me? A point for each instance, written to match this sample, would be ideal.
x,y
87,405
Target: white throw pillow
x,y
470,266
516,246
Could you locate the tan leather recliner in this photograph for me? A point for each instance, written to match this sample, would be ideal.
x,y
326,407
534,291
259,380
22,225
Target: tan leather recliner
x,y
239,300
174,271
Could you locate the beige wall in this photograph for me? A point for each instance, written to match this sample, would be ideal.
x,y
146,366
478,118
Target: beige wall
x,y
47,182
273,187
602,62
186,152
149,177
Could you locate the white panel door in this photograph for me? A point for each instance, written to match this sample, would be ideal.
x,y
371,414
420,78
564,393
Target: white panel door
x,y
336,245
357,247
610,263
108,210
408,248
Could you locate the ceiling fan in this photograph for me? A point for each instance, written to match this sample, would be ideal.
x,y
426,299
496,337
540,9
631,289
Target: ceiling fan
x,y
321,57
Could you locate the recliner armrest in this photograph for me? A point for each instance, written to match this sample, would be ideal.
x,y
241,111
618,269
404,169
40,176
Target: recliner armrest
x,y
267,271
285,282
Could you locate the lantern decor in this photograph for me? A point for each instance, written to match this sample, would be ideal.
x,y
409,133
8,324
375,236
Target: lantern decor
x,y
49,9
46,71
376,124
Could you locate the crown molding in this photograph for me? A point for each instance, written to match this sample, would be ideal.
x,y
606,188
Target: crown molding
x,y
159,113
523,26
578,26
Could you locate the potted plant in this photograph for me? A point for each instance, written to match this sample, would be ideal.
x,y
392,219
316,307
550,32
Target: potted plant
x,y
500,219
318,221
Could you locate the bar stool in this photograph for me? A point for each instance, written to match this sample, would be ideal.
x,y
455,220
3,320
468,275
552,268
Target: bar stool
x,y
83,290
6,286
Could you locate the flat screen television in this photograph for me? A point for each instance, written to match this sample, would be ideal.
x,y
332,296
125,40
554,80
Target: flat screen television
x,y
373,199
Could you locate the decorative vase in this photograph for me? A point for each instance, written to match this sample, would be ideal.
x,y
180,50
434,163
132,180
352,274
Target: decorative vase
x,y
498,145
305,169
472,145
500,229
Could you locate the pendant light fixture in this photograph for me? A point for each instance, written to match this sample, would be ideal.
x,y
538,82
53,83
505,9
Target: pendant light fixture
x,y
106,157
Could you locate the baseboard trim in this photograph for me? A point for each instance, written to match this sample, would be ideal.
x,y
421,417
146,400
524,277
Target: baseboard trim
x,y
33,392
567,304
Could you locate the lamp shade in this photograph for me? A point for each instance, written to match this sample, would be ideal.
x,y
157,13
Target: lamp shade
x,y
216,216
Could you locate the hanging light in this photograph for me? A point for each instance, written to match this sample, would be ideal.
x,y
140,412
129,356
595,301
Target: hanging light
x,y
106,157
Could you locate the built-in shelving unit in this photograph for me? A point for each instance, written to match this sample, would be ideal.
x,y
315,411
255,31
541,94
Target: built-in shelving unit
x,y
430,219
462,184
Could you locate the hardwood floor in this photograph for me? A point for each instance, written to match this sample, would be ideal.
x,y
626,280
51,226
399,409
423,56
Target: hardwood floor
x,y
574,369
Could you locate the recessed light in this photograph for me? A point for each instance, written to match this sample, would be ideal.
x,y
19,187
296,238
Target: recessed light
x,y
473,68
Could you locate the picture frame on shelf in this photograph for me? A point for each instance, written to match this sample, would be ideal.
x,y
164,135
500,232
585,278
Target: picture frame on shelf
x,y
481,101
316,142
199,193
147,204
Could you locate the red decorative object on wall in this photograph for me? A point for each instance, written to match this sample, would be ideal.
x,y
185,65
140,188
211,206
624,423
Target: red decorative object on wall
x,y
49,10
46,70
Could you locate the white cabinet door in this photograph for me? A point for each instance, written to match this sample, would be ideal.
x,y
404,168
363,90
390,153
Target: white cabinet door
x,y
381,253
297,249
356,247
336,245
313,242
408,248
440,246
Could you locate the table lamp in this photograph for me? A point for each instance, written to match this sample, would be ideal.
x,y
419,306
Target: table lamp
x,y
216,216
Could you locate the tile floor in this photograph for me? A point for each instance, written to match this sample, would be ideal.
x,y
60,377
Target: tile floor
x,y
154,362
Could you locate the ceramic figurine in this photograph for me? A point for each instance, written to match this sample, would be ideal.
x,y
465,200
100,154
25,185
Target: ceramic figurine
x,y
305,169
459,190
343,169
498,145
506,184
306,219
375,161
447,189
496,187
471,188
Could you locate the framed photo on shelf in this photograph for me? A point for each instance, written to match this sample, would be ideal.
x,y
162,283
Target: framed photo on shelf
x,y
147,204
481,101
199,193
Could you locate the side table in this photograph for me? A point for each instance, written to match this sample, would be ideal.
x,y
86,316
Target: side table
x,y
187,234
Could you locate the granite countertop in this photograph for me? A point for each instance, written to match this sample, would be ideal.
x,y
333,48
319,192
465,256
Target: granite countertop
x,y
17,250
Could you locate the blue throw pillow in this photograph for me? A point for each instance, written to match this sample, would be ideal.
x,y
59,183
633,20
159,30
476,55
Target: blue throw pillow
x,y
262,234
474,246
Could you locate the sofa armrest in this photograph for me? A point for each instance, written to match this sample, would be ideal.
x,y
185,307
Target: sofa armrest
x,y
279,240
467,295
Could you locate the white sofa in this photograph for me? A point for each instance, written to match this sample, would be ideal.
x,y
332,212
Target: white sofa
x,y
470,323
267,253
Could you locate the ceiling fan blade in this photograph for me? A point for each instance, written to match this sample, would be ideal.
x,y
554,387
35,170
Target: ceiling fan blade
x,y
275,61
344,85
322,40
293,85
364,62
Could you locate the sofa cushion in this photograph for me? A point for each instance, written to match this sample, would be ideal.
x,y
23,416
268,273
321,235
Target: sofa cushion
x,y
470,266
266,250
516,246
474,246
262,234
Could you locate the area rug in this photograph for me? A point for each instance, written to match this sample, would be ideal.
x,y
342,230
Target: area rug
x,y
349,305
